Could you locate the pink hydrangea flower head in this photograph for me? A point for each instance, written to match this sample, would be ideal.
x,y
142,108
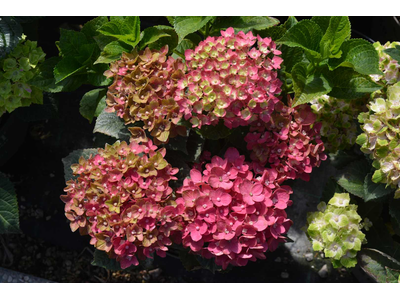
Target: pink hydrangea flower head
x,y
232,212
231,77
122,199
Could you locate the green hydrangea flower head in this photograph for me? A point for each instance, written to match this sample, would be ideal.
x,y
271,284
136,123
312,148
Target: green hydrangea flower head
x,y
335,229
389,66
342,114
16,69
381,137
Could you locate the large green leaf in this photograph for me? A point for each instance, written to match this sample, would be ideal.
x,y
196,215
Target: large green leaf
x,y
113,52
9,216
151,35
186,25
112,125
305,34
348,84
67,67
73,158
322,21
125,29
245,23
95,75
358,54
352,177
89,103
101,259
308,86
374,190
90,28
380,266
71,42
394,52
336,33
291,56
10,35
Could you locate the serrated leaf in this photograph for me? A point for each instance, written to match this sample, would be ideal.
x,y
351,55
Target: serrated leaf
x,y
151,35
352,177
70,42
275,32
67,67
101,259
90,28
358,54
393,52
10,35
322,21
348,84
9,216
291,56
374,190
89,103
186,25
73,158
125,29
305,34
290,22
380,266
95,75
308,86
113,52
337,32
171,40
185,44
245,24
112,125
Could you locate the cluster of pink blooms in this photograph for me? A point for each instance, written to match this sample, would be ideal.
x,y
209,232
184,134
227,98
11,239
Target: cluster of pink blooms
x,y
231,77
143,89
230,214
122,199
289,142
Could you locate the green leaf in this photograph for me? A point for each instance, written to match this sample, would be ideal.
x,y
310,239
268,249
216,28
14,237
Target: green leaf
x,y
95,75
90,28
290,22
358,54
275,32
331,187
112,125
186,25
322,21
342,158
393,52
214,132
113,52
291,56
73,158
308,86
337,32
66,68
245,24
9,216
171,40
101,259
90,102
71,42
352,177
305,34
380,266
182,47
374,190
126,30
151,35
348,84
10,35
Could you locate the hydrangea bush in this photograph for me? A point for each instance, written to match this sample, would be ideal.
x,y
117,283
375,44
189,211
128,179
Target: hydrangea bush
x,y
16,69
336,230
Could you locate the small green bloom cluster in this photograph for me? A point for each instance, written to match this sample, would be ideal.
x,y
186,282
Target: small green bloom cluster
x,y
389,66
342,113
335,229
381,138
16,69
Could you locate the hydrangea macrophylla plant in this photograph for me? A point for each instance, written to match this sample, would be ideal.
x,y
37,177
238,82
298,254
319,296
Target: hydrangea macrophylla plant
x,y
231,77
381,137
122,199
231,213
16,69
289,142
143,89
389,66
336,229
343,114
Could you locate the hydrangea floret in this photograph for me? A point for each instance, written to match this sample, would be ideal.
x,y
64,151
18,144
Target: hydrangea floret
x,y
339,120
335,229
16,69
122,199
231,77
143,90
389,66
290,142
381,139
231,213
